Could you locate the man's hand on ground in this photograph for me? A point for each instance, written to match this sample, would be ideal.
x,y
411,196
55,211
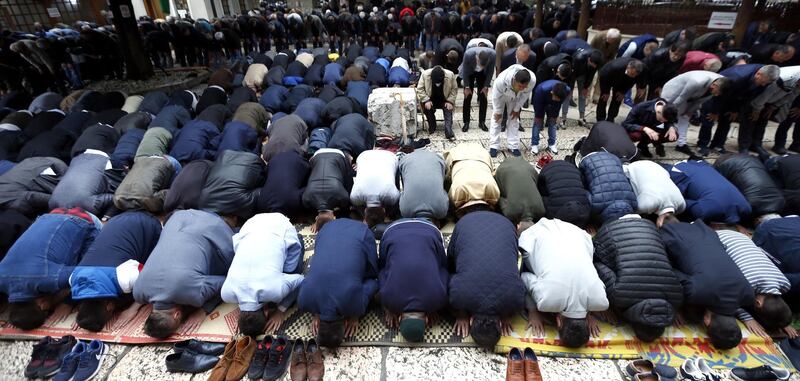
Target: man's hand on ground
x,y
432,319
755,328
505,326
536,323
462,326
791,332
392,320
315,325
350,327
591,323
275,320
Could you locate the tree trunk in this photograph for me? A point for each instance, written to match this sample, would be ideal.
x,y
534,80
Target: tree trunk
x,y
537,22
583,21
742,20
137,62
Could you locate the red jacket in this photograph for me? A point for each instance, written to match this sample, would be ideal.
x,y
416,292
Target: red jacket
x,y
695,60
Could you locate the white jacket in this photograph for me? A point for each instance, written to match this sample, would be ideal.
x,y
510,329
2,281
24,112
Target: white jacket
x,y
503,92
267,247
375,180
655,191
564,279
689,90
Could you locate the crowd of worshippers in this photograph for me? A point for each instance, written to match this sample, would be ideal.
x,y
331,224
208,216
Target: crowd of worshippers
x,y
182,202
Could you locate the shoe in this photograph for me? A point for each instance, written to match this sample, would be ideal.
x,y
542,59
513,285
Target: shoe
x,y
794,147
298,371
572,103
646,377
535,150
779,150
639,366
219,371
561,126
465,127
315,362
644,150
690,372
684,149
278,360
515,369
245,348
709,373
762,373
553,149
431,130
448,133
722,151
91,361
583,123
521,129
70,363
667,373
761,151
34,367
57,350
493,152
188,361
703,151
201,347
484,128
516,152
259,362
502,128
532,371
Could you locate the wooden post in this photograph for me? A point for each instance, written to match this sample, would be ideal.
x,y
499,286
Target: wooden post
x,y
583,21
137,62
742,20
537,22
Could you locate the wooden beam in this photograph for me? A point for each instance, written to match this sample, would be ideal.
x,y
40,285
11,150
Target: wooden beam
x,y
583,21
742,20
537,22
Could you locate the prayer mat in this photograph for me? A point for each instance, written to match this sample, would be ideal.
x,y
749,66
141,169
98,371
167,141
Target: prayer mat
x,y
614,342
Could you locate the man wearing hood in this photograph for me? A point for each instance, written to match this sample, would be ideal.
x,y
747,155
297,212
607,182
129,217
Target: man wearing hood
x,y
437,89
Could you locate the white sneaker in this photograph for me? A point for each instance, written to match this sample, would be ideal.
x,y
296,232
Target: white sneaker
x,y
690,371
535,150
553,149
703,367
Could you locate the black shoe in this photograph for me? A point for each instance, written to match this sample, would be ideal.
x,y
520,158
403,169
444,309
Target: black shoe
x,y
572,103
521,129
685,150
201,347
484,128
794,147
279,356
465,127
704,151
502,128
56,351
762,373
760,151
188,361
259,362
431,130
34,367
644,151
660,150
779,150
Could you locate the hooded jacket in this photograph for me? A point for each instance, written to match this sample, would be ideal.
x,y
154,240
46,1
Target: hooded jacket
x,y
287,174
469,171
750,176
155,142
563,193
339,107
519,197
333,73
238,136
253,115
184,193
172,118
287,134
254,78
89,183
145,186
189,263
55,143
28,186
352,133
632,262
233,184
153,102
296,95
240,96
610,192
44,102
329,182
211,96
314,75
268,249
359,90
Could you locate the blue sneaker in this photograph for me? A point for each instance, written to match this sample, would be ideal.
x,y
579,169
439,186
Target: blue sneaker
x,y
70,363
91,360
492,152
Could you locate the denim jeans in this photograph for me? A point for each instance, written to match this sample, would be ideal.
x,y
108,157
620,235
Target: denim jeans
x,y
42,259
551,132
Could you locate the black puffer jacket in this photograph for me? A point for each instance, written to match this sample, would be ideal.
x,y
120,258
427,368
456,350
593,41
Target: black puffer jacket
x,y
26,189
788,172
750,176
101,137
184,193
564,196
233,184
330,181
137,119
611,138
630,259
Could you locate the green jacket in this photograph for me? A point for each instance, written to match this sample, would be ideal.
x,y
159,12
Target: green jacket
x,y
519,198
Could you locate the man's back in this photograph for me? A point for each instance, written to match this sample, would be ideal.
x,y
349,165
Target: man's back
x,y
374,184
709,196
423,185
519,197
330,181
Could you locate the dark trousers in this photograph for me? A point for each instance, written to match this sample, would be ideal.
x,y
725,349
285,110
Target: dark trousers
x,y
476,83
748,129
614,101
644,139
783,129
706,126
431,117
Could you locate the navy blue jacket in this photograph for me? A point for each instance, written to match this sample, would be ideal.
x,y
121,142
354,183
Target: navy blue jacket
x,y
610,192
708,275
333,73
172,118
572,45
413,267
742,88
125,151
197,140
709,196
310,111
238,136
543,102
273,98
313,76
483,266
186,188
287,174
398,76
295,96
644,115
640,43
339,107
343,271
153,102
359,90
779,237
352,133
376,75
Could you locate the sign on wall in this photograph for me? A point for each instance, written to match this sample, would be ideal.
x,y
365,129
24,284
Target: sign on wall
x,y
722,20
53,12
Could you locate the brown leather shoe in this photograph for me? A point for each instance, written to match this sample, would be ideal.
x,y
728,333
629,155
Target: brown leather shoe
x,y
532,371
515,370
219,371
299,369
245,348
314,361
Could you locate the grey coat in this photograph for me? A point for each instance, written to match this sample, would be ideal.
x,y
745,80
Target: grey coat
x,y
780,97
423,185
689,90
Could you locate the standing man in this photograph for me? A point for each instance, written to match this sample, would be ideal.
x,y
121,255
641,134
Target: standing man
x,y
687,92
547,100
511,90
476,75
616,78
437,89
505,41
585,63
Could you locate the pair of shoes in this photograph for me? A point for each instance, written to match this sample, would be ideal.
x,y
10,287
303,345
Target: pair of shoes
x,y
194,356
465,127
643,369
235,360
684,149
553,149
83,362
779,150
523,366
271,358
493,152
516,153
535,149
697,369
762,373
47,356
307,362
483,127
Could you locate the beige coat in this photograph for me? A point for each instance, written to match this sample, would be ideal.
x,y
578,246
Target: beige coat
x,y
599,43
424,90
500,47
254,78
469,172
